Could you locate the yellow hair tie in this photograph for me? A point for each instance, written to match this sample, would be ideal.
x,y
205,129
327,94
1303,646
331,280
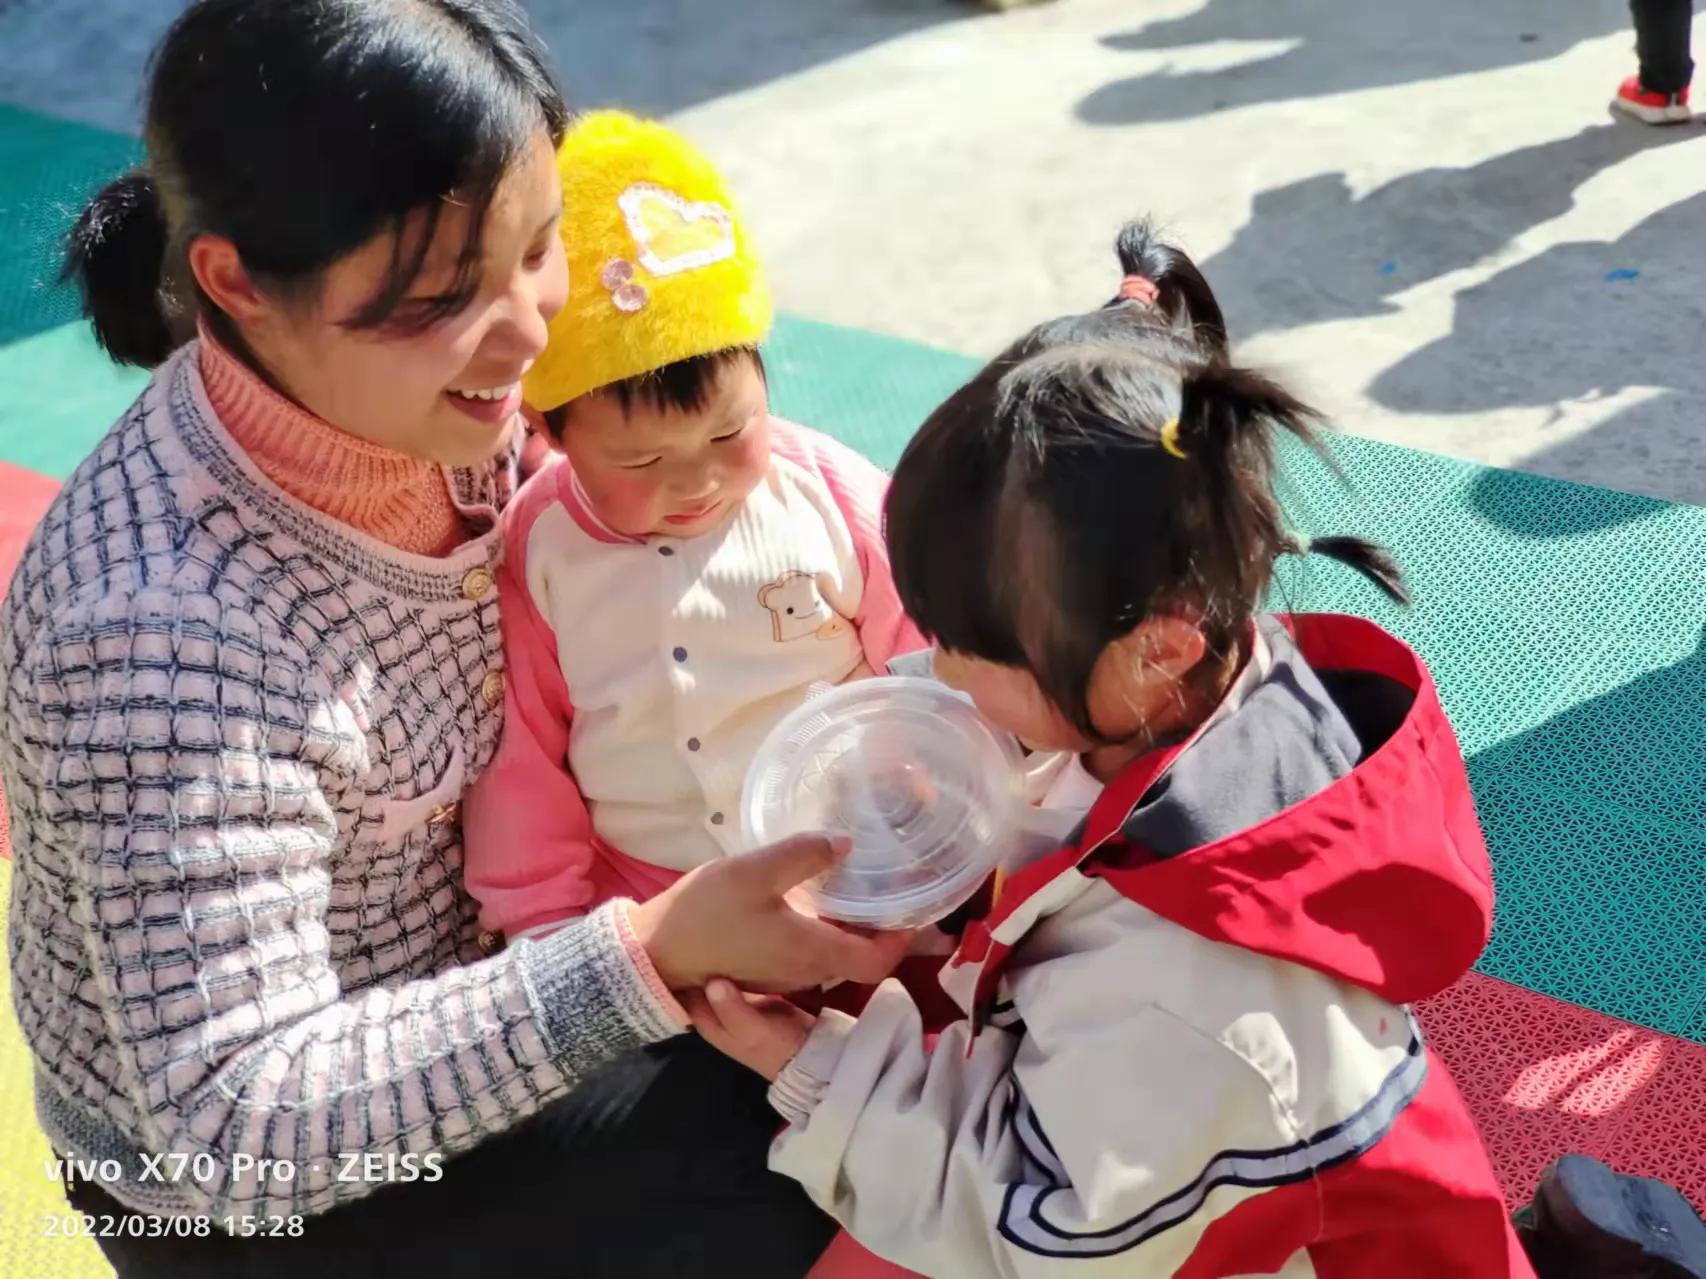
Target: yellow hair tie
x,y
1170,439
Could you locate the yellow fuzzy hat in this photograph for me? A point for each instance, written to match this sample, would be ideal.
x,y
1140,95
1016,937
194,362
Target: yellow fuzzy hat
x,y
660,265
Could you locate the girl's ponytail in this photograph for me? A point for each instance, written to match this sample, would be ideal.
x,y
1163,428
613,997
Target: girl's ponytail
x,y
116,254
1224,403
1228,417
1370,559
1105,468
1182,293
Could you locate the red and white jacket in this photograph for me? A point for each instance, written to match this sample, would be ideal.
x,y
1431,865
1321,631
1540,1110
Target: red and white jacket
x,y
1195,1062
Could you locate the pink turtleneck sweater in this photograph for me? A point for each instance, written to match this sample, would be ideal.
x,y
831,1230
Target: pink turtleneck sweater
x,y
401,500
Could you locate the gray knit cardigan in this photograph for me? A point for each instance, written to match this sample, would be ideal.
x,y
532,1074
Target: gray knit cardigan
x,y
233,734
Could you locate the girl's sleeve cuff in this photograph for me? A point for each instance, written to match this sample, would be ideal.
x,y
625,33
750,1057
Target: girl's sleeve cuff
x,y
800,1086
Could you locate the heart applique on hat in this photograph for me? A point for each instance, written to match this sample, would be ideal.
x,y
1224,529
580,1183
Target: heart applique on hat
x,y
673,234
663,268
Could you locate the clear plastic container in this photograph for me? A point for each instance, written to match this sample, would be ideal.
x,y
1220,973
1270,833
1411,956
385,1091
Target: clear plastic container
x,y
930,792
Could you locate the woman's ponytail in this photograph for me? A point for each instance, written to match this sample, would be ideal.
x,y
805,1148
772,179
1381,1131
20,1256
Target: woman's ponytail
x,y
116,254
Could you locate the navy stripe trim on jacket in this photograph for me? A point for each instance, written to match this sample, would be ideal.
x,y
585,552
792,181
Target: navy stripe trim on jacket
x,y
1033,1142
1024,1224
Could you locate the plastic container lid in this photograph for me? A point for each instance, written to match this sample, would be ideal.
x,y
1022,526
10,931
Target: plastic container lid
x,y
928,789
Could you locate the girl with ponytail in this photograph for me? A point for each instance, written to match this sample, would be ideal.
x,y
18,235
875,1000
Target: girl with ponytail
x,y
253,657
1185,1048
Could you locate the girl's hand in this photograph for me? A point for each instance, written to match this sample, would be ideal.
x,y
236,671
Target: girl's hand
x,y
731,918
761,1032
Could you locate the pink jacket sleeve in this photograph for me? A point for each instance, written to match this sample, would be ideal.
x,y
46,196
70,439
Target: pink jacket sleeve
x,y
529,854
858,486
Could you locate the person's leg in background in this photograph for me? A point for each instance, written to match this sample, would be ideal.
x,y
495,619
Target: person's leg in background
x,y
1659,94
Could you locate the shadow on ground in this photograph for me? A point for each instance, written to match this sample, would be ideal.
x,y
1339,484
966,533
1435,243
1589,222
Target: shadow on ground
x,y
1578,321
1311,252
1624,453
1338,46
1605,803
84,59
664,55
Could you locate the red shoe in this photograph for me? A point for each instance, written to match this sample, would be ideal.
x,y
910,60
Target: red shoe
x,y
1654,108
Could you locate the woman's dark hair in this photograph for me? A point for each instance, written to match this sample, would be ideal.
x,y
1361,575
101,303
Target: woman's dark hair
x,y
1043,511
682,387
300,129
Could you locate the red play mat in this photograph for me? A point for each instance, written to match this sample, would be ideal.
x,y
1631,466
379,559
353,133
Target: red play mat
x,y
1545,1078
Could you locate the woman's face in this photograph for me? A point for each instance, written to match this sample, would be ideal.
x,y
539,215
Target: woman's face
x,y
415,391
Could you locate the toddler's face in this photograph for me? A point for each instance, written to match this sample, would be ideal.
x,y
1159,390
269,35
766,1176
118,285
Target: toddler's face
x,y
1137,687
654,472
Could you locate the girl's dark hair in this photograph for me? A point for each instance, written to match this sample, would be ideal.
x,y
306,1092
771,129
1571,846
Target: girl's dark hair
x,y
1041,512
299,129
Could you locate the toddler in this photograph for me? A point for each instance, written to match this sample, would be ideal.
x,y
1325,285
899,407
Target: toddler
x,y
684,575
1185,1048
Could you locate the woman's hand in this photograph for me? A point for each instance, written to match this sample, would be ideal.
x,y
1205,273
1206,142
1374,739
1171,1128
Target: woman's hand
x,y
761,1032
730,918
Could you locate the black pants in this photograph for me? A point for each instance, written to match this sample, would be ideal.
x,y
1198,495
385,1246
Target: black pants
x,y
1662,31
654,1166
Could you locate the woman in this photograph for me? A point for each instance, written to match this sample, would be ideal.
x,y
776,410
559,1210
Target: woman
x,y
250,662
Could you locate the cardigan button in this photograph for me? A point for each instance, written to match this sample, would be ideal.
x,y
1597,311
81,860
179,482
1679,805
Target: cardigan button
x,y
478,584
492,688
680,655
443,813
693,743
491,942
666,551
716,819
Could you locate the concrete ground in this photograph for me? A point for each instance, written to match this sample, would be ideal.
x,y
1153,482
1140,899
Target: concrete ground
x,y
1424,214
